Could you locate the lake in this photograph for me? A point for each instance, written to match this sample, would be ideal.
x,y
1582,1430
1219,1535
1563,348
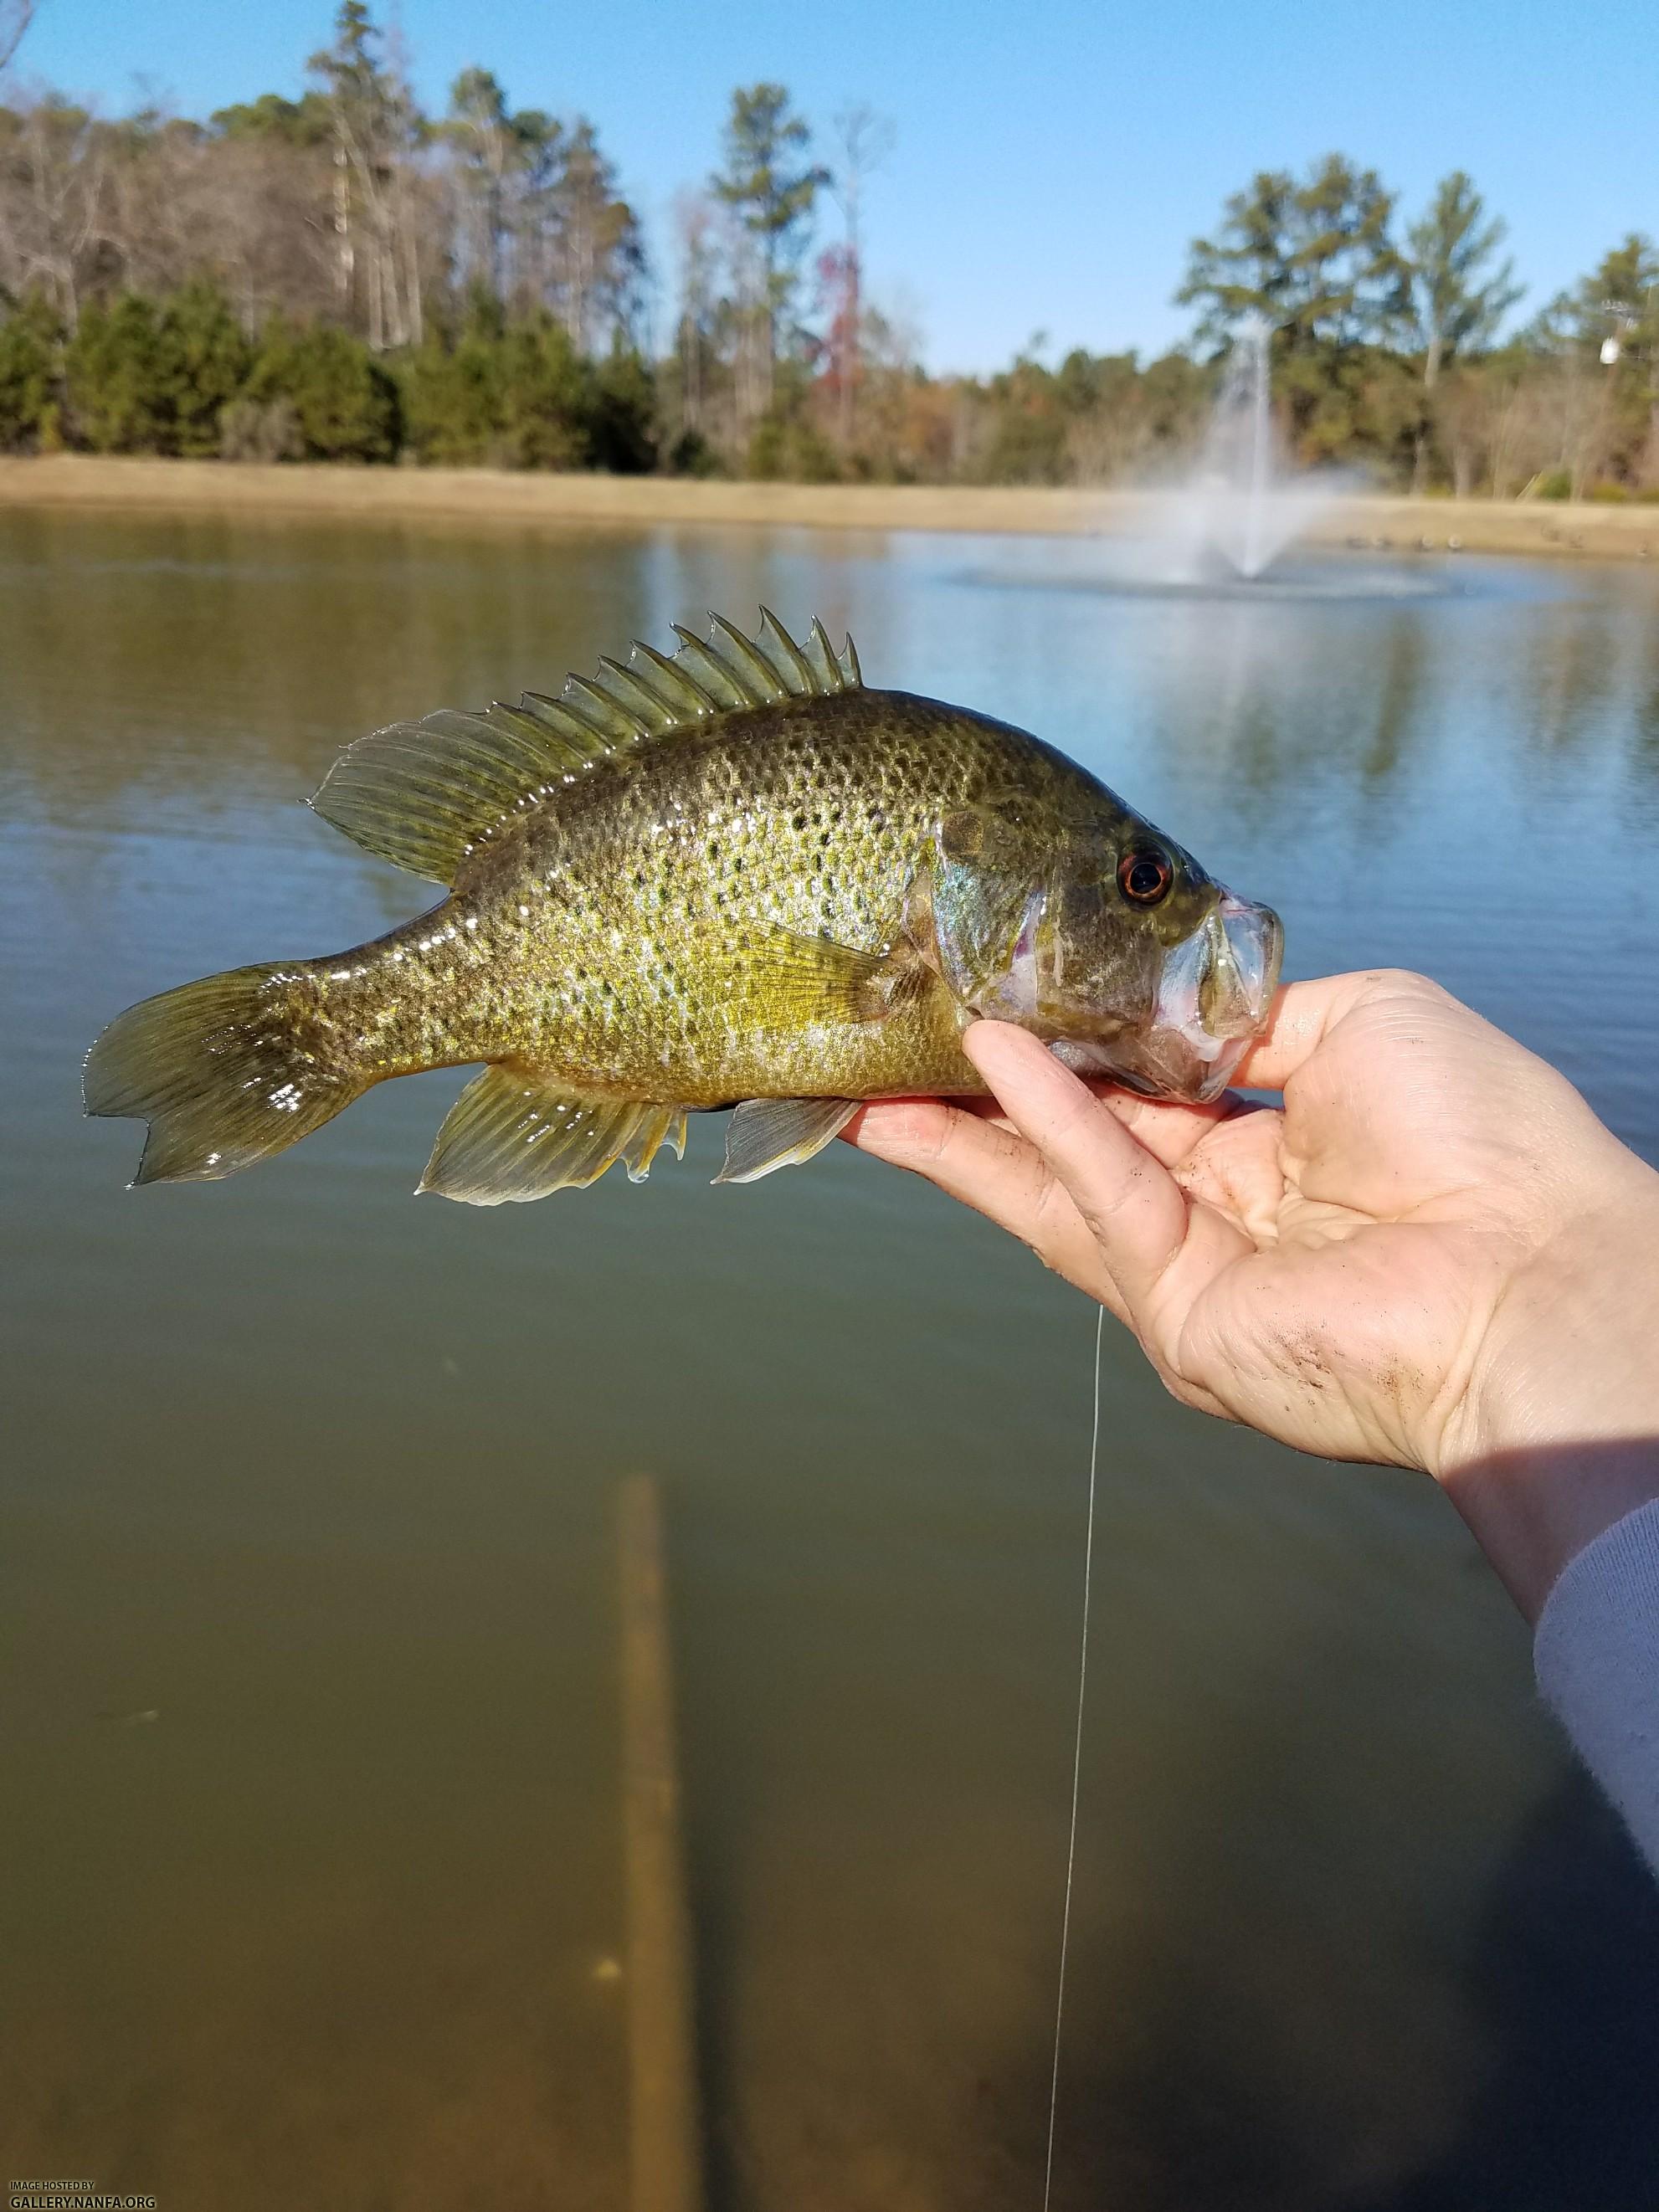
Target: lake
x,y
310,1877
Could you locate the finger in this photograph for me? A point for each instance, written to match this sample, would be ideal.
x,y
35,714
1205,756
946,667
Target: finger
x,y
1127,1198
991,1167
1168,1129
1304,1014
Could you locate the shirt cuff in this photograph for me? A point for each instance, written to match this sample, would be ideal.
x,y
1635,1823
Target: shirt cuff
x,y
1596,1656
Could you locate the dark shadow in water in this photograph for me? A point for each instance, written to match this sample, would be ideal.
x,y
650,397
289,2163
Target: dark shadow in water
x,y
1565,1975
1564,1989
1163,2108
715,1933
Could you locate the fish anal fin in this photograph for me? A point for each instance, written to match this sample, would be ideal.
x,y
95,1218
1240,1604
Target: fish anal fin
x,y
512,1136
658,1126
767,1133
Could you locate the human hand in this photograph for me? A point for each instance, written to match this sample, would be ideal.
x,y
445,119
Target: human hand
x,y
1432,1255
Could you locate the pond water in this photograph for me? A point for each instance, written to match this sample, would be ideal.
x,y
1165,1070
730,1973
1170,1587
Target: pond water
x,y
310,1884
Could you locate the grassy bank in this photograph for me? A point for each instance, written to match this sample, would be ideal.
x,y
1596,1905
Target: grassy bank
x,y
1548,528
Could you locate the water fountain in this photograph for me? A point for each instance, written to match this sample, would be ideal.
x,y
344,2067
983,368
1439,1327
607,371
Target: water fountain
x,y
1222,531
1241,507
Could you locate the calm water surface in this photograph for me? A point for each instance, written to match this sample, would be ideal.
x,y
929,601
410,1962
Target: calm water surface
x,y
322,1479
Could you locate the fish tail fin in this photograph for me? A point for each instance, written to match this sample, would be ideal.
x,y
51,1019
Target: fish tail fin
x,y
225,1072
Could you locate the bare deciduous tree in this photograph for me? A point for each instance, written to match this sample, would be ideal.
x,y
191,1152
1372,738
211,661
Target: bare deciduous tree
x,y
866,140
53,176
15,17
373,118
694,225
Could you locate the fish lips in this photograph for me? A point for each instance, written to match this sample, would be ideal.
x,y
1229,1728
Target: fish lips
x,y
1215,989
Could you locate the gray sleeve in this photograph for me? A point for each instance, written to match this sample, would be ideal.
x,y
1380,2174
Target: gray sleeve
x,y
1596,1652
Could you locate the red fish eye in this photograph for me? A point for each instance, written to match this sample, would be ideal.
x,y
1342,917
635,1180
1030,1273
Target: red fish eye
x,y
1144,877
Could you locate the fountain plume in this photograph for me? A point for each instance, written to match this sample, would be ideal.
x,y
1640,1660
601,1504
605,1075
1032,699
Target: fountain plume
x,y
1241,506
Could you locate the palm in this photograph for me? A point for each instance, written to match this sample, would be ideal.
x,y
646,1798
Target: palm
x,y
1433,1253
1303,1312
1319,1271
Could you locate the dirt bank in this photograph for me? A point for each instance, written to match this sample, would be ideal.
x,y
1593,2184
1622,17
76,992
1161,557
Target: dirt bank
x,y
1474,526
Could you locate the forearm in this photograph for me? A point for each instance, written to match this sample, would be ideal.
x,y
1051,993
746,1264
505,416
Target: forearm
x,y
1533,1511
1556,1470
1559,1437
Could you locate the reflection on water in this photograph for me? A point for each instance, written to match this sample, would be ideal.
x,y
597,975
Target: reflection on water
x,y
323,1476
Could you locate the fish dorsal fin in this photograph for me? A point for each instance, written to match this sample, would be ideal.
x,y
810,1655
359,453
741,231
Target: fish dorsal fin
x,y
426,795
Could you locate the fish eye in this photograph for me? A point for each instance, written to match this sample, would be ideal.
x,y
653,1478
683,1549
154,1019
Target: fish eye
x,y
1144,877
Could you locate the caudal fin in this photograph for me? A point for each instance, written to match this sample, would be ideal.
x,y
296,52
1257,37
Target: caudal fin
x,y
225,1072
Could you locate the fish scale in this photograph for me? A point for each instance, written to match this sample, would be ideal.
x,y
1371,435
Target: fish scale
x,y
735,877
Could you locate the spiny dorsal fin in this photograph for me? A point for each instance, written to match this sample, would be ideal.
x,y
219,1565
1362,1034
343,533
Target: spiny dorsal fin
x,y
426,794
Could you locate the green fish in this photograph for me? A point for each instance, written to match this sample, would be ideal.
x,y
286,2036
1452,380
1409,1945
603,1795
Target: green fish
x,y
735,878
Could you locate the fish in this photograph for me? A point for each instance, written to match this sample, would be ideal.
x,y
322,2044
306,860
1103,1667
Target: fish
x,y
736,876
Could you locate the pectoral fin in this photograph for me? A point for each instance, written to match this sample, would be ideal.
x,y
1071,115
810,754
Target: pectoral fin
x,y
764,1133
509,1137
775,979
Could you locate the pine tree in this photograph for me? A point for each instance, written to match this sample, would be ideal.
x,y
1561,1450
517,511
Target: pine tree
x,y
1458,298
204,362
1316,260
31,376
622,436
345,403
772,191
116,373
451,390
546,397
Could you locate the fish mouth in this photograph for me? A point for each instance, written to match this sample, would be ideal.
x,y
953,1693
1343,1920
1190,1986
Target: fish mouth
x,y
1214,995
1247,951
1213,998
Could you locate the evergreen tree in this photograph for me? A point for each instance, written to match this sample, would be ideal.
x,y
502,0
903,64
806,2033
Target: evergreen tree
x,y
1316,261
503,163
301,123
597,268
204,362
1028,445
1619,298
452,394
344,402
31,338
375,129
1614,319
546,397
117,376
481,132
772,191
1458,297
622,435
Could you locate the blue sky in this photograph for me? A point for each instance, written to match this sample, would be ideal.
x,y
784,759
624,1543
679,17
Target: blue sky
x,y
1053,157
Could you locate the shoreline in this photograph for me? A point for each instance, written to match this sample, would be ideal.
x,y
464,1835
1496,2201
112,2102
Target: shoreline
x,y
1546,528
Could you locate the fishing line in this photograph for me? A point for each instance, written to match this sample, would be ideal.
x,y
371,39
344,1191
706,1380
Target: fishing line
x,y
1077,1761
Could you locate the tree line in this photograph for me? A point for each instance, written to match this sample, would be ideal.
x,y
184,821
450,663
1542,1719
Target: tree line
x,y
345,278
